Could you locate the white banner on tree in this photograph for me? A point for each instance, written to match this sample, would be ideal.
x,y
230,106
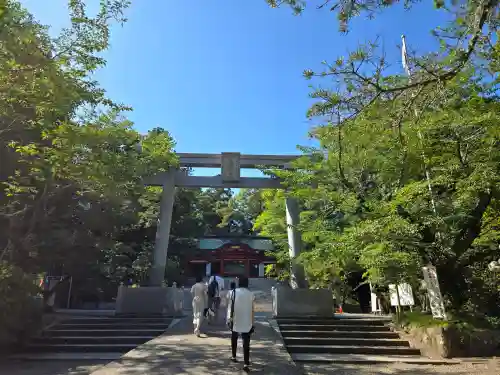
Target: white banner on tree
x,y
434,292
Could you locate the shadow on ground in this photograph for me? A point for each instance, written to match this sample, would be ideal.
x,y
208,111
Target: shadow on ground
x,y
81,367
488,368
184,354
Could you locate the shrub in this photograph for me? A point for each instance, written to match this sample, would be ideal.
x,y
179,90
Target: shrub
x,y
417,319
20,314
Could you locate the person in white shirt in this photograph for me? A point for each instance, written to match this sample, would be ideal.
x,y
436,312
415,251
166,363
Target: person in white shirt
x,y
240,318
199,293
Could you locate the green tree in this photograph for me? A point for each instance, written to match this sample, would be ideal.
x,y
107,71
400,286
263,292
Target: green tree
x,y
212,203
413,156
242,210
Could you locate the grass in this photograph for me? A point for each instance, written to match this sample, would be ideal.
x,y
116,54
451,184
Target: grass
x,y
461,321
418,319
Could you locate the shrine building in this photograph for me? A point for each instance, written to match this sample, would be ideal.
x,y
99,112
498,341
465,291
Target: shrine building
x,y
230,256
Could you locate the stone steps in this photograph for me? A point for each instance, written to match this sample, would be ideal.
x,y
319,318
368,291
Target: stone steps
x,y
343,334
118,334
93,340
336,322
368,359
112,325
81,348
346,341
118,320
56,332
325,339
352,349
333,327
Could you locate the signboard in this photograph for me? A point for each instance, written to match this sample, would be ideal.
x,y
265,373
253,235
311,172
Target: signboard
x,y
405,295
434,292
230,165
375,302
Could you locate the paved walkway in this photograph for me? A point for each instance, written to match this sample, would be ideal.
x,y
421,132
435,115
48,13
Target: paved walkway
x,y
179,352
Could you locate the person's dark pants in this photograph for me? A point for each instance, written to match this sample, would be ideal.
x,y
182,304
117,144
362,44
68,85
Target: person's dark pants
x,y
246,345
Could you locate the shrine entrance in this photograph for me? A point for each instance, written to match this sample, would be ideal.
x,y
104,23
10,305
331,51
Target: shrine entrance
x,y
230,263
230,257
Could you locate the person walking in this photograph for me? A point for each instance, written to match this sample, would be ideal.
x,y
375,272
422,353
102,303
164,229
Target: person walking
x,y
215,285
199,293
240,320
218,291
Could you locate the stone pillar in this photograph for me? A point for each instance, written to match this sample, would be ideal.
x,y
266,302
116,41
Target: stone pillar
x,y
262,270
297,279
208,269
160,253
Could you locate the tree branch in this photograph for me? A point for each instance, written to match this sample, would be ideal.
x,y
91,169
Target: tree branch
x,y
471,228
342,175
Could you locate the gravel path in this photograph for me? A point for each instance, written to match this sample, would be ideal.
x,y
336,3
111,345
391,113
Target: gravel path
x,y
487,368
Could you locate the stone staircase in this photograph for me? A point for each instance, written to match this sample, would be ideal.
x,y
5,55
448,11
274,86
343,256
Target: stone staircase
x,y
113,334
344,340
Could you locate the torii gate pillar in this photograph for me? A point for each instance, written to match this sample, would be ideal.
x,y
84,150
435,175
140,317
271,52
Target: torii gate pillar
x,y
157,273
297,277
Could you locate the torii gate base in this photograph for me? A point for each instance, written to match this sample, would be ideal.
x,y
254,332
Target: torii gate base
x,y
288,302
297,300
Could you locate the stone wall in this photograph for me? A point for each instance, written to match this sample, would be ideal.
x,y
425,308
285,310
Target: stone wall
x,y
450,341
149,300
288,302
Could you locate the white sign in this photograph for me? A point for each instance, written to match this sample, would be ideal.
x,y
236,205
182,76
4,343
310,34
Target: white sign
x,y
375,302
434,292
405,295
230,165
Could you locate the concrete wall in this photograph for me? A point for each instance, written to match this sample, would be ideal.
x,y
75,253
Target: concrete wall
x,y
288,302
149,300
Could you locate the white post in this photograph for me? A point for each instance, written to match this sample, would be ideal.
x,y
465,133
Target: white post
x,y
157,274
297,279
262,269
208,269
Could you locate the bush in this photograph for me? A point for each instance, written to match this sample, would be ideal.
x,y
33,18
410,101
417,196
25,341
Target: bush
x,y
20,311
418,319
459,321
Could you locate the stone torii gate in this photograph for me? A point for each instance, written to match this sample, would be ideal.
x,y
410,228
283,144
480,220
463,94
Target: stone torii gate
x,y
230,164
156,298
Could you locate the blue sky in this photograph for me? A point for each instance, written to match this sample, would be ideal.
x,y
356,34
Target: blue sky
x,y
226,76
